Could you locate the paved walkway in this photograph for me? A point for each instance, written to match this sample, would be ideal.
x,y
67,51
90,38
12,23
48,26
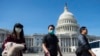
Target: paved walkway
x,y
41,54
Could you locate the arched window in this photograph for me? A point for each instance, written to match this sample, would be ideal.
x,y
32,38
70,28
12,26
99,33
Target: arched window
x,y
68,28
67,21
72,28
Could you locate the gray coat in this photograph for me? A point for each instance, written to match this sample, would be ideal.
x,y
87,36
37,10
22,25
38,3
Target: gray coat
x,y
83,46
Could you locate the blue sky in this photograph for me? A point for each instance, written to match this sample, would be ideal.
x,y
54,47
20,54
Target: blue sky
x,y
36,15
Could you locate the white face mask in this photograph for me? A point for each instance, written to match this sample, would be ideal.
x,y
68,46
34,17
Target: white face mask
x,y
18,30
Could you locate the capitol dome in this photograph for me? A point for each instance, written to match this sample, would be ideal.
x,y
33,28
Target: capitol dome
x,y
67,23
66,14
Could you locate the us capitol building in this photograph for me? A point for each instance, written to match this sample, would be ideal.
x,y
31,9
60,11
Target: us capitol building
x,y
67,30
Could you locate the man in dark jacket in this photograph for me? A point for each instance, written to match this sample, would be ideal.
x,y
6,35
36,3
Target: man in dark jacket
x,y
50,43
84,48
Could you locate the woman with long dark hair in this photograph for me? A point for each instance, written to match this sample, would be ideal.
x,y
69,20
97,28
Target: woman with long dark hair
x,y
14,44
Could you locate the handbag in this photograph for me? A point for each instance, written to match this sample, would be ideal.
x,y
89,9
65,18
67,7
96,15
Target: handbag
x,y
79,51
8,45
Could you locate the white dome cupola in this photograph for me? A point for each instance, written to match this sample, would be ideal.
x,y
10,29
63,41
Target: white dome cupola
x,y
67,23
65,14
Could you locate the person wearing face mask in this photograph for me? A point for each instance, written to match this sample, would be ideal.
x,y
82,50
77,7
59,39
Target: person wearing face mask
x,y
50,43
14,44
84,48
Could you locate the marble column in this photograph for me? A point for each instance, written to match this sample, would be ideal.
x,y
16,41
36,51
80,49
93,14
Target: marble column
x,y
71,40
68,44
